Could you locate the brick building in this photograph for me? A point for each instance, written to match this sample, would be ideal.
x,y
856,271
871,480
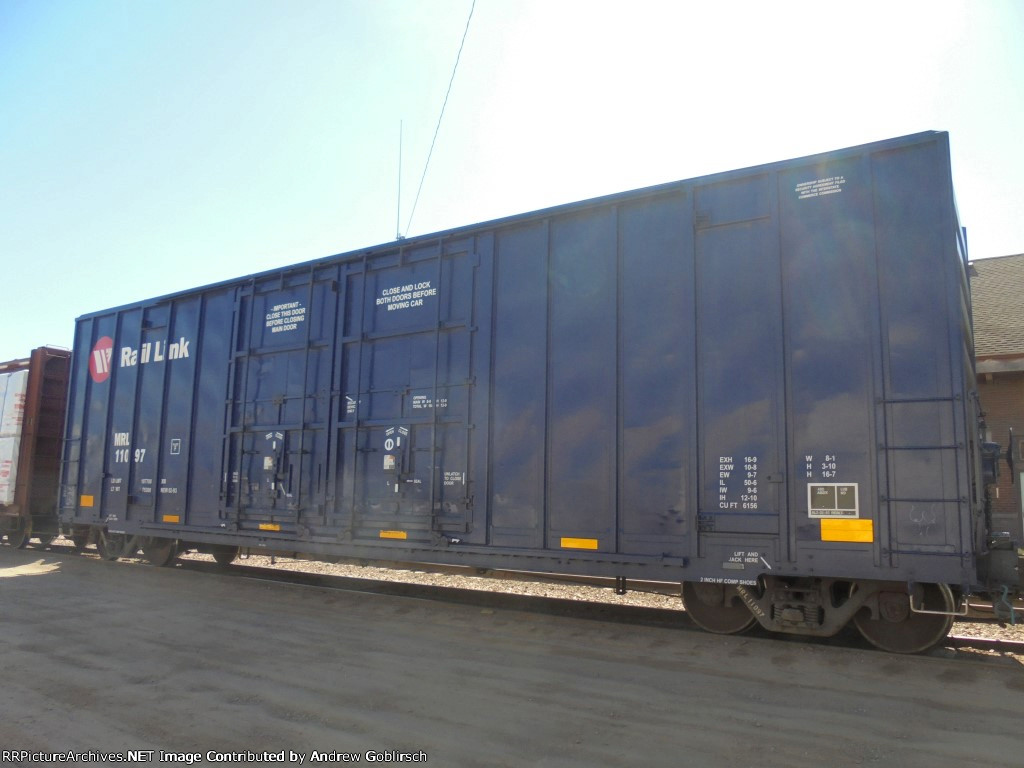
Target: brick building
x,y
997,293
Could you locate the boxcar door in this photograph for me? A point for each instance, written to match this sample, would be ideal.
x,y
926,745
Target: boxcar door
x,y
279,404
403,438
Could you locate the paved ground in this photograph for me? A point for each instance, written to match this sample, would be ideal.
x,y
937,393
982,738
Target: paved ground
x,y
108,657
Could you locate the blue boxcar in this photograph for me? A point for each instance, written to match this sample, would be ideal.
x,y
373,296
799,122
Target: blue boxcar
x,y
758,383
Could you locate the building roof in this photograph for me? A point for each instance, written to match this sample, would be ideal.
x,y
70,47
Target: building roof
x,y
997,293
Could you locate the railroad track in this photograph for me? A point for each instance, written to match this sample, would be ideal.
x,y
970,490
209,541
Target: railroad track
x,y
481,598
1014,647
579,609
553,606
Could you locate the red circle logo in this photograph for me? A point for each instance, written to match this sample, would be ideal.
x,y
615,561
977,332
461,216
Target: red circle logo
x,y
100,359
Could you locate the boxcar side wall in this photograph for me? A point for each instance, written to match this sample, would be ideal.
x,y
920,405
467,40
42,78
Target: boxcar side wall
x,y
45,413
763,371
34,393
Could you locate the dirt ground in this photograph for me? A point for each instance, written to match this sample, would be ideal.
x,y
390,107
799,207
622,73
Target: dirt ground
x,y
108,657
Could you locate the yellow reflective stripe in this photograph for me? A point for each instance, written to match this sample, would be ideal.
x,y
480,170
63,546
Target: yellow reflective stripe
x,y
270,527
172,518
394,535
570,543
860,531
85,501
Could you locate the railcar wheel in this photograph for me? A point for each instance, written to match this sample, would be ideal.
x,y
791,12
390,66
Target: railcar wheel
x,y
716,608
18,538
160,552
112,546
224,555
80,537
897,629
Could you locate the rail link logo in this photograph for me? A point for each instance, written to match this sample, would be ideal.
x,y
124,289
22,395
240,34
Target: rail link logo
x,y
101,361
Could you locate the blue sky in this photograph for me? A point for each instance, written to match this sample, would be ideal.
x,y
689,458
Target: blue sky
x,y
149,147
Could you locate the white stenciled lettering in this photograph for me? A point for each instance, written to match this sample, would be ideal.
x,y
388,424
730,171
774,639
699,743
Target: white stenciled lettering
x,y
287,316
178,349
405,296
454,478
729,482
819,187
155,352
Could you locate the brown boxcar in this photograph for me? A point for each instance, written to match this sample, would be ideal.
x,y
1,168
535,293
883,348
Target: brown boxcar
x,y
33,402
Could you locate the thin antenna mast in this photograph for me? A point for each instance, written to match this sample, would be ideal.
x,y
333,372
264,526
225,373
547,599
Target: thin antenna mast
x,y
440,117
398,211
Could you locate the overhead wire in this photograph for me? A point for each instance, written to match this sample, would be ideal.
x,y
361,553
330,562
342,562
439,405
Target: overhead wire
x,y
441,116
